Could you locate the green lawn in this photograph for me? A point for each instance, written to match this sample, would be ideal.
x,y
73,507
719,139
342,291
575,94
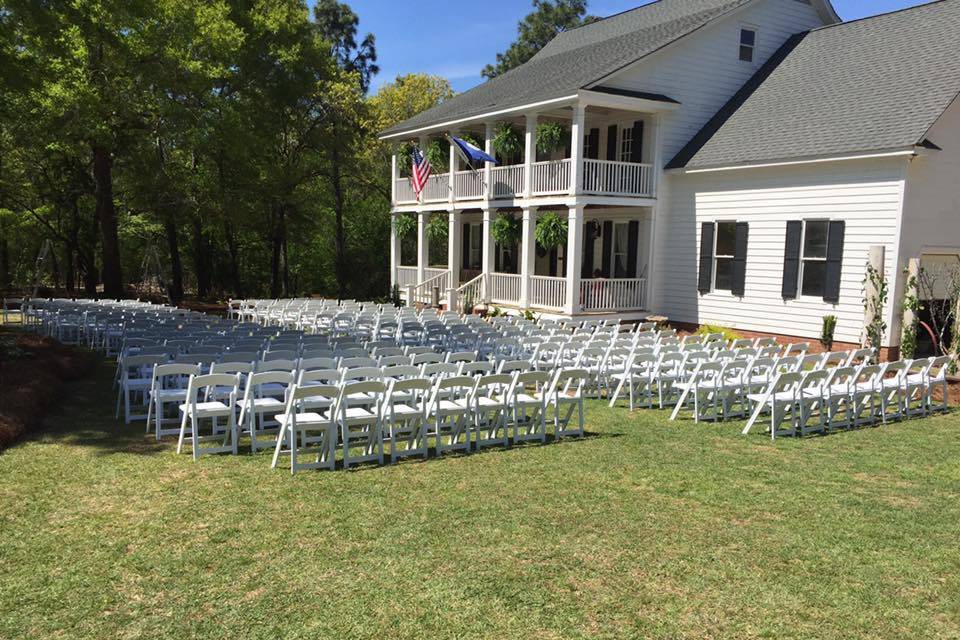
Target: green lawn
x,y
644,529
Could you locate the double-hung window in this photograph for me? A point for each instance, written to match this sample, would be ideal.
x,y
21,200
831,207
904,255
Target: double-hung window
x,y
724,253
748,44
475,258
621,250
626,144
813,263
723,257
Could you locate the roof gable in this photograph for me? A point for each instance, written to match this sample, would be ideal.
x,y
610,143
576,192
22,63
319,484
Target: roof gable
x,y
869,85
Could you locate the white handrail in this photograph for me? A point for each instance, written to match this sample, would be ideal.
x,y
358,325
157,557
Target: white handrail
x,y
476,286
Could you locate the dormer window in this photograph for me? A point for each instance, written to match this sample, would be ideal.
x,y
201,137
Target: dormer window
x,y
748,42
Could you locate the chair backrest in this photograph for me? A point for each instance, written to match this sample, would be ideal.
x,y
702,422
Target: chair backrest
x,y
299,395
475,368
401,372
353,363
390,361
570,383
843,377
834,359
231,367
787,382
379,352
868,374
860,356
212,381
409,391
817,378
496,383
353,352
462,356
940,367
318,363
373,389
810,362
443,369
239,356
281,354
324,376
162,373
360,374
275,365
138,366
426,358
510,366
317,352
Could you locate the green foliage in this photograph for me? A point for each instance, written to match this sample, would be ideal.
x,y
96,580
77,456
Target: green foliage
x,y
548,18
875,293
551,231
911,306
506,229
507,141
530,315
550,137
707,329
406,224
827,330
437,227
495,312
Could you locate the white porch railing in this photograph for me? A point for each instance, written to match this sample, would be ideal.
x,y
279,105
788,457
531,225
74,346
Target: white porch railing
x,y
507,181
552,176
405,194
472,291
468,185
423,292
406,276
548,292
437,189
618,294
504,288
607,177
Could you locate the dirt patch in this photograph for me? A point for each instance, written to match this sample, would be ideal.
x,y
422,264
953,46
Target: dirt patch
x,y
32,372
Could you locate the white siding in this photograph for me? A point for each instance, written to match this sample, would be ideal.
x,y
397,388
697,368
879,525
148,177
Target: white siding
x,y
703,71
931,212
866,194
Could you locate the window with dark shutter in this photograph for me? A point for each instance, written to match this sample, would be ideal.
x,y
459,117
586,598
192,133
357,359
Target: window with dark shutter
x,y
636,143
633,242
607,248
705,280
593,144
590,232
831,289
465,246
725,249
791,259
612,142
739,278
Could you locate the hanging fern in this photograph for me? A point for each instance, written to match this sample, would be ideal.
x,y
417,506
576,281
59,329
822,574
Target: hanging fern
x,y
406,224
437,227
507,141
551,231
550,137
506,230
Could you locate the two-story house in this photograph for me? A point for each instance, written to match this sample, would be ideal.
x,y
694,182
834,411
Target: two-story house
x,y
732,162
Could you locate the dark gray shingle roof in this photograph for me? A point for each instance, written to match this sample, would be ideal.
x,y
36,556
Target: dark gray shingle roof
x,y
873,84
578,58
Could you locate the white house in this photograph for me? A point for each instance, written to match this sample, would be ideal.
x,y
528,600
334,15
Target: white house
x,y
730,162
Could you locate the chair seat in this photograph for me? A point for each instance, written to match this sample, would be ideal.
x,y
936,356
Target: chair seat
x,y
528,399
207,409
491,403
169,395
306,419
451,406
406,410
263,403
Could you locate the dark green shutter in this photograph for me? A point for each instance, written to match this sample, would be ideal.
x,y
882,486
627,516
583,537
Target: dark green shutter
x,y
607,249
705,282
831,287
553,262
586,267
791,259
465,246
633,242
594,144
738,287
636,146
612,142
496,257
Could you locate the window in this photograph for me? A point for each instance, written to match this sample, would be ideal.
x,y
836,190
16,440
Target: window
x,y
748,43
621,250
813,264
626,144
587,147
724,253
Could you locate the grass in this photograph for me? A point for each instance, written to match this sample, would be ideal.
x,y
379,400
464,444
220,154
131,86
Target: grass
x,y
646,528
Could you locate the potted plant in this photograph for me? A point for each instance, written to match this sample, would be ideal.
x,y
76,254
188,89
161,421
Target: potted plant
x,y
437,227
406,223
550,137
551,231
506,230
507,141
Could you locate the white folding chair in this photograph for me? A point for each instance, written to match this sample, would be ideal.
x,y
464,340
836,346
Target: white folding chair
x,y
136,380
490,402
565,397
528,405
194,412
304,432
782,401
360,423
404,417
169,386
265,394
448,413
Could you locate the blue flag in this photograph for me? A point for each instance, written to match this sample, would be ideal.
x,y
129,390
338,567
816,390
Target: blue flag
x,y
472,153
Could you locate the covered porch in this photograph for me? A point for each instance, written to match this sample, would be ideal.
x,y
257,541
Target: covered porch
x,y
608,248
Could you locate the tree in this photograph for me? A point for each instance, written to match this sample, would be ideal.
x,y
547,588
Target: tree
x,y
548,19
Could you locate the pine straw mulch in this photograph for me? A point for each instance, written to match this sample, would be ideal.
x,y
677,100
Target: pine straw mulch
x,y
32,373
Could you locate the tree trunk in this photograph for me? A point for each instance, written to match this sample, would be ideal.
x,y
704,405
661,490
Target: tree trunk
x,y
340,234
107,215
234,261
176,266
69,276
4,260
201,259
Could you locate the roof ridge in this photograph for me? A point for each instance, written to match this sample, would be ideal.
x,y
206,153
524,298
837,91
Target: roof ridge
x,y
843,23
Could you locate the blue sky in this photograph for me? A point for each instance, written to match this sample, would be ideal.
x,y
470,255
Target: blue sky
x,y
455,39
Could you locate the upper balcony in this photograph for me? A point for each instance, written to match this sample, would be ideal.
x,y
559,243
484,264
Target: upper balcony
x,y
608,147
548,178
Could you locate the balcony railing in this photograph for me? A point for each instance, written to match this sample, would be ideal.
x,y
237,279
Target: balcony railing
x,y
547,292
615,294
504,288
600,177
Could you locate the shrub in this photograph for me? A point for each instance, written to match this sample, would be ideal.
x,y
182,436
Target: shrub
x,y
826,333
728,334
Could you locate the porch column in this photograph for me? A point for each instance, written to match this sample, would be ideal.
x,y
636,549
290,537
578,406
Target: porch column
x,y
454,246
527,254
487,261
576,148
394,252
487,167
423,248
574,258
452,167
530,154
393,173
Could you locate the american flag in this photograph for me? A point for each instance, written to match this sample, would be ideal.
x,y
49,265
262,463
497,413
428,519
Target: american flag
x,y
420,171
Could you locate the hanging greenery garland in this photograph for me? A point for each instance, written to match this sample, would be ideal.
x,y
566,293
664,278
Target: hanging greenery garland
x,y
506,230
406,223
507,141
437,227
551,231
550,137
